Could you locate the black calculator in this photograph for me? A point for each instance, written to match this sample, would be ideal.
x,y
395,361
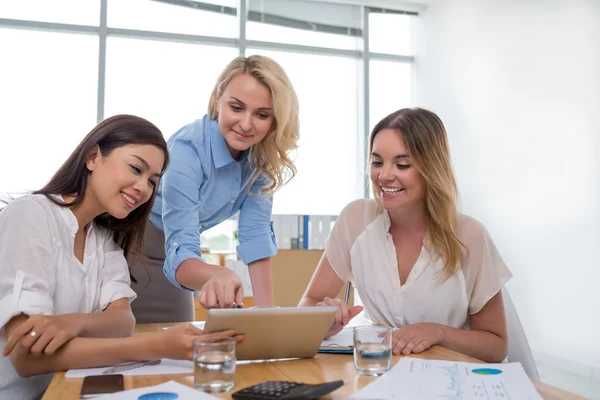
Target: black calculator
x,y
285,390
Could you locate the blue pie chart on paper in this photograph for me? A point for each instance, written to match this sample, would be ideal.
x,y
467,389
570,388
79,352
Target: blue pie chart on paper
x,y
159,396
486,371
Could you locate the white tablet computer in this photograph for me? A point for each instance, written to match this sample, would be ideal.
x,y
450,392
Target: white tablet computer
x,y
290,332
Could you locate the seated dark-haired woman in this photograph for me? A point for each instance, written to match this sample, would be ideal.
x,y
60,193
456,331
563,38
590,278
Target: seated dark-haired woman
x,y
64,281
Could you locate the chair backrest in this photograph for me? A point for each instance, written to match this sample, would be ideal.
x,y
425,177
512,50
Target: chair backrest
x,y
518,346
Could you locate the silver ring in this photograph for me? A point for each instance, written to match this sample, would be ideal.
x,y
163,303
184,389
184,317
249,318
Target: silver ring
x,y
33,333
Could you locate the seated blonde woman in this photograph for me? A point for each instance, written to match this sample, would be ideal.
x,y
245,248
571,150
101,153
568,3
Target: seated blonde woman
x,y
418,264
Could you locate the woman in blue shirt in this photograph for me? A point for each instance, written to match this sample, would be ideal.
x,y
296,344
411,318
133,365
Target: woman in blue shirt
x,y
233,159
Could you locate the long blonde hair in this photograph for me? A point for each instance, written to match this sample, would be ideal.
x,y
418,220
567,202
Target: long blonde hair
x,y
425,138
270,155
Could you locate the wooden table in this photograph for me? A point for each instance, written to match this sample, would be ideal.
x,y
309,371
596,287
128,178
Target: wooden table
x,y
321,368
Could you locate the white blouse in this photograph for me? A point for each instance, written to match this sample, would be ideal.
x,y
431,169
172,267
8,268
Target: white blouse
x,y
360,249
39,274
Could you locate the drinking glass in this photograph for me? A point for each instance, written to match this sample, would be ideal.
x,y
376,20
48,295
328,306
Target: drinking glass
x,y
372,349
214,365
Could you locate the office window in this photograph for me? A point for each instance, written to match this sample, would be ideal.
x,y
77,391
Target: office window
x,y
390,33
167,83
76,12
48,102
153,74
328,172
162,17
305,23
221,238
390,86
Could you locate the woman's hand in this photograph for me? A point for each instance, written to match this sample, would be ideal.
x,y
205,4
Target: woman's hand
x,y
223,290
177,342
43,334
416,338
342,316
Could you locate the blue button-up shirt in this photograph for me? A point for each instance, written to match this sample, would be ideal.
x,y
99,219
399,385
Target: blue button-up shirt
x,y
204,186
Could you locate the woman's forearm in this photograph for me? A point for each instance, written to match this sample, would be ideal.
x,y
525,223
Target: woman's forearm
x,y
116,320
193,273
307,301
86,353
261,277
483,345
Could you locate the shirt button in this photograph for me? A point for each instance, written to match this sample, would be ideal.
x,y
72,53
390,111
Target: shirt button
x,y
175,244
232,201
205,224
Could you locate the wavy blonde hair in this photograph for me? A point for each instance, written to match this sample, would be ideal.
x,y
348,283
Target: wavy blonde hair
x,y
425,138
270,155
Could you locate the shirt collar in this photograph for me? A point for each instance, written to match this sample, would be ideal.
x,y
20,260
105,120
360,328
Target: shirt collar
x,y
220,153
387,223
69,218
386,220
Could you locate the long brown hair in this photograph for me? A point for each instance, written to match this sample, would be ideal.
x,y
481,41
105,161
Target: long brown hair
x,y
271,155
425,138
72,177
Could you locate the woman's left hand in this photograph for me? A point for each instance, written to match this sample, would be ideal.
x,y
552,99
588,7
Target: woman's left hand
x,y
416,338
44,334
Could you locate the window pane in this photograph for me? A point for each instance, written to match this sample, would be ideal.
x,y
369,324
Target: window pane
x,y
389,91
389,88
221,238
329,175
48,97
390,33
330,25
281,34
63,11
155,16
167,83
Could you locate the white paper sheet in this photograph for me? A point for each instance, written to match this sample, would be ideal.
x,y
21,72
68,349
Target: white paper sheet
x,y
344,338
413,378
166,366
197,324
184,392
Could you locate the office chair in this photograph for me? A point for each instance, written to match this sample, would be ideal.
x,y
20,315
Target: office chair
x,y
518,346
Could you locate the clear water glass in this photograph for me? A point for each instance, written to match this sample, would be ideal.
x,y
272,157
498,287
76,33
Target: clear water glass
x,y
372,349
214,365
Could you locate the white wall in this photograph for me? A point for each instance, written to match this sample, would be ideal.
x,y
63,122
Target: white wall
x,y
517,83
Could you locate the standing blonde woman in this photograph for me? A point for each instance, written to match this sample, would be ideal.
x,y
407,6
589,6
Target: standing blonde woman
x,y
418,264
232,160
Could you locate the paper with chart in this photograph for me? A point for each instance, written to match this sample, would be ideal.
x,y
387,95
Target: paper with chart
x,y
414,378
167,390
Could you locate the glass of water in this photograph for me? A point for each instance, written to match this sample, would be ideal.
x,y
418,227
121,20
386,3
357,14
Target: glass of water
x,y
372,349
214,365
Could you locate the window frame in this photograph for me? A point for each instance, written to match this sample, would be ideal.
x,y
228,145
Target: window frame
x,y
244,15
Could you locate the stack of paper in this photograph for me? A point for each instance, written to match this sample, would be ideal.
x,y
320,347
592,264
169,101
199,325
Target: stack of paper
x,y
166,366
413,378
